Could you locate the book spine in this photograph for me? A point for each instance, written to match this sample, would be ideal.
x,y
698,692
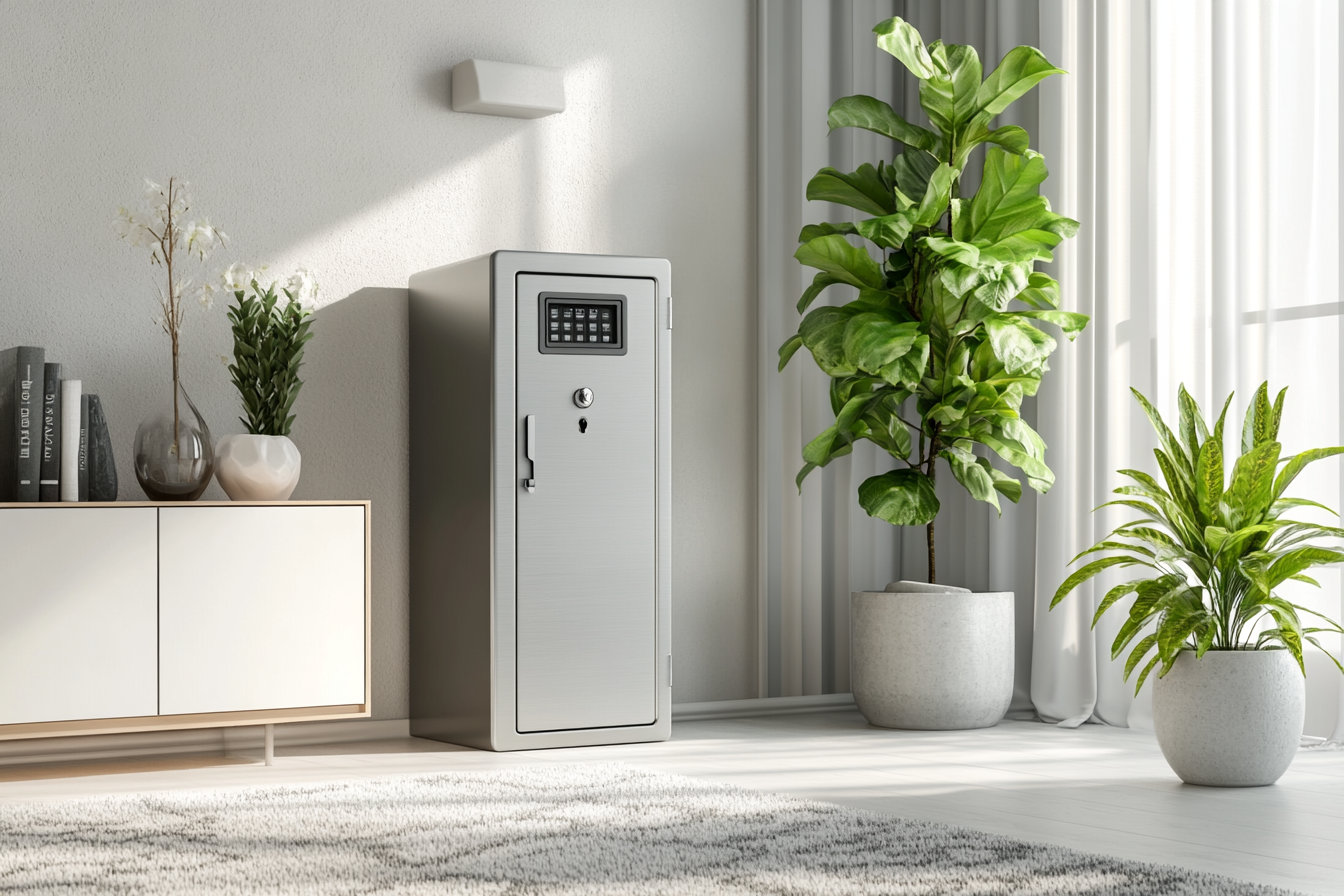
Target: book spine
x,y
28,424
83,447
50,484
9,391
70,392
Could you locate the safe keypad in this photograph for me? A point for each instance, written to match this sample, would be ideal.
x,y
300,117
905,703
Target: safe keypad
x,y
574,323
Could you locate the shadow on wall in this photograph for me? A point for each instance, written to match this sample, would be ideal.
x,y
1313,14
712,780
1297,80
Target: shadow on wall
x,y
351,426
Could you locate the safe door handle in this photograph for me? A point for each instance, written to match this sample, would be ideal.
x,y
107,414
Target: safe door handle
x,y
530,449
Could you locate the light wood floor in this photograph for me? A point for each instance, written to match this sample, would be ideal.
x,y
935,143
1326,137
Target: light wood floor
x,y
1094,788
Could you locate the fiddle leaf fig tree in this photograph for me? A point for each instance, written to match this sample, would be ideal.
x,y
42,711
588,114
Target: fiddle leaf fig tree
x,y
950,306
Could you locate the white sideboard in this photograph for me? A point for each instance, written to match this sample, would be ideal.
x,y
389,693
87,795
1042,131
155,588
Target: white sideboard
x,y
145,616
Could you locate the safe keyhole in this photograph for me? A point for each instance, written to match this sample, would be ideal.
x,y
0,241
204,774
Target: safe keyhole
x,y
583,424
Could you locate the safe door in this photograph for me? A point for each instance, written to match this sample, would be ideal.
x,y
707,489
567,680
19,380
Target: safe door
x,y
586,502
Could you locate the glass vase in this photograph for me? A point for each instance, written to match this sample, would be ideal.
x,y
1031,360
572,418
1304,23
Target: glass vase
x,y
174,458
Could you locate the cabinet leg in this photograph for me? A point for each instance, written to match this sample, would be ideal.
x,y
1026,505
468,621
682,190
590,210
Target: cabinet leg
x,y
269,752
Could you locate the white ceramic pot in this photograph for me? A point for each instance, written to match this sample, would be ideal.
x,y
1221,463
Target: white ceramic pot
x,y
1232,718
932,661
257,468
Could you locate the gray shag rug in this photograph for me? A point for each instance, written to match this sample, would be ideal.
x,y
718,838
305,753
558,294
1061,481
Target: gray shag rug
x,y
549,829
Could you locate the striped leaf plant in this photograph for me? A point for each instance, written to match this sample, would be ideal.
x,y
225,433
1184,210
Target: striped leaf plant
x,y
1214,550
949,307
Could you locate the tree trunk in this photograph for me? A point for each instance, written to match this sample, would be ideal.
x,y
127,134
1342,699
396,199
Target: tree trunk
x,y
933,564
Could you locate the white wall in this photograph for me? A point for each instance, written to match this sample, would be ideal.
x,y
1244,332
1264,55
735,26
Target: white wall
x,y
320,134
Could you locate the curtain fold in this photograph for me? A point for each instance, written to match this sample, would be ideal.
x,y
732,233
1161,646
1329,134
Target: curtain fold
x,y
1197,141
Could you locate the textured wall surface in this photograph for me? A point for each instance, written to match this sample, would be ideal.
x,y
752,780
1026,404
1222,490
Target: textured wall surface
x,y
321,134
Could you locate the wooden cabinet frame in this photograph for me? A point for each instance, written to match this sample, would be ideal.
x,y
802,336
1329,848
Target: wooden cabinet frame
x,y
217,719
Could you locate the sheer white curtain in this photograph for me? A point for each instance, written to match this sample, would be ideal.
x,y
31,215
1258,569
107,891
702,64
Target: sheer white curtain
x,y
1198,143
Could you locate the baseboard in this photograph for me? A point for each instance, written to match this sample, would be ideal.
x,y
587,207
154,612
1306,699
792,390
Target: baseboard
x,y
197,740
247,739
761,706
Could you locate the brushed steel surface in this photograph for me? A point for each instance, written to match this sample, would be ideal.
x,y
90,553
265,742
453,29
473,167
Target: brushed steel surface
x,y
465,491
79,613
586,542
452,496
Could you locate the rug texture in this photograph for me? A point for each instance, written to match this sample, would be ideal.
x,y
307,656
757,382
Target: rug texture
x,y
549,829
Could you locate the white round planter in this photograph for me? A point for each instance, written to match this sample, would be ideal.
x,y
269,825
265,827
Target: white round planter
x,y
1232,718
257,468
932,661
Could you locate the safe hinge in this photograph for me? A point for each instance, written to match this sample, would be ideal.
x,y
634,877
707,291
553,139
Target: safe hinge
x,y
669,670
669,312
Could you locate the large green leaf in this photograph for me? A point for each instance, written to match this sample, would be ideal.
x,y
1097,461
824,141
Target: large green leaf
x,y
846,263
864,190
1023,247
1001,285
901,497
950,102
1039,476
912,169
1070,322
1209,480
1021,69
964,254
1042,291
1256,430
936,195
823,332
888,231
1251,490
1168,441
1010,137
908,370
1297,462
872,341
1020,346
1087,572
899,38
819,282
1192,427
872,114
1007,183
812,231
786,351
818,451
1296,561
973,473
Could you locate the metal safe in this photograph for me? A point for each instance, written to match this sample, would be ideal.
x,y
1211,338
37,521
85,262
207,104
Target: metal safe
x,y
540,416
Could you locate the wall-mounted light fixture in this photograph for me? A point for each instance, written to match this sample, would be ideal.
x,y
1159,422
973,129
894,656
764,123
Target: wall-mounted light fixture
x,y
505,88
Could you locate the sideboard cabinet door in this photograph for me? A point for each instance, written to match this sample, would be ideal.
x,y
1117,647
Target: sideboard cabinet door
x,y
77,613
260,607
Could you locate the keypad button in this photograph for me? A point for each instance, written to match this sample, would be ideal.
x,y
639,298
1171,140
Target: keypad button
x,y
606,328
604,338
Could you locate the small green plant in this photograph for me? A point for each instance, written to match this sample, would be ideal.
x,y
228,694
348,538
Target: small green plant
x,y
948,312
268,341
1216,549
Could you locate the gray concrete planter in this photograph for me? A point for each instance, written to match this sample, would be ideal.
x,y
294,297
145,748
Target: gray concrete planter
x,y
1232,718
932,661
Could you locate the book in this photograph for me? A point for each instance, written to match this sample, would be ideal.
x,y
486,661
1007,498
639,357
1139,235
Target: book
x,y
83,448
102,466
50,483
21,374
70,392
